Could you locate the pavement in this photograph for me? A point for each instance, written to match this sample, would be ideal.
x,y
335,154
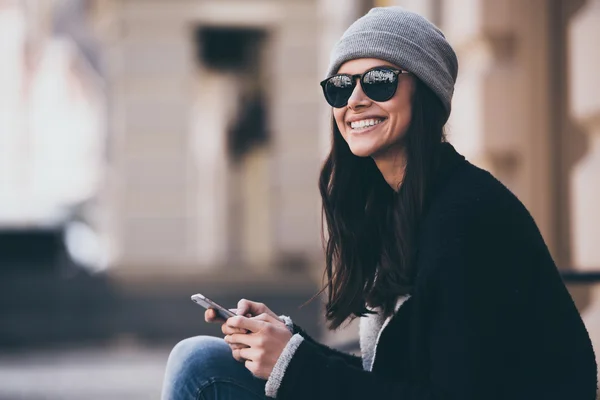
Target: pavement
x,y
123,371
86,373
97,339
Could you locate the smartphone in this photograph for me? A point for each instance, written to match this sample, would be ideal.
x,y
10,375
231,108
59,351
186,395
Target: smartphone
x,y
207,303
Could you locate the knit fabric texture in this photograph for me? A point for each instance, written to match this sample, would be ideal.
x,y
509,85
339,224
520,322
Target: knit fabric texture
x,y
405,39
272,385
288,322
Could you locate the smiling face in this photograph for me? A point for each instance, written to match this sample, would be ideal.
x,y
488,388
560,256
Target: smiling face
x,y
370,128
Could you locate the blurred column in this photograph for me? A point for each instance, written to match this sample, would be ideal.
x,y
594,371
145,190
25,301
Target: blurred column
x,y
211,114
500,116
13,135
256,248
295,127
584,63
152,182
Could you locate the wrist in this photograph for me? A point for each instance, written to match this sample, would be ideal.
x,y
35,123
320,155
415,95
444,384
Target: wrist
x,y
288,322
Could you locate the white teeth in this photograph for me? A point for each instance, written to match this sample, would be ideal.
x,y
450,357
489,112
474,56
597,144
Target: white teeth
x,y
363,123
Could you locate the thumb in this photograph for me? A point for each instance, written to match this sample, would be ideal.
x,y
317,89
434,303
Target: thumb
x,y
243,307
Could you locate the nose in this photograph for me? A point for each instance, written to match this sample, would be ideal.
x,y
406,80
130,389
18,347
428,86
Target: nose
x,y
358,99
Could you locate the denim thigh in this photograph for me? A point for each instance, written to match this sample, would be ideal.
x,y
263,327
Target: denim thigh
x,y
202,368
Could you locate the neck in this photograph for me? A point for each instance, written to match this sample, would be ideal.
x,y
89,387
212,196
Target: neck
x,y
392,165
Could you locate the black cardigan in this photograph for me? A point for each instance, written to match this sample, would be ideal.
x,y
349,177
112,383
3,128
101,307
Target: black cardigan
x,y
489,316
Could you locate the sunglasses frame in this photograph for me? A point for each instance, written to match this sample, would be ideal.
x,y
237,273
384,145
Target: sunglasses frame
x,y
360,77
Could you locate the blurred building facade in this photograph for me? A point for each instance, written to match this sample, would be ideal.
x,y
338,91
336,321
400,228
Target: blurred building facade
x,y
215,126
51,117
195,186
214,153
191,172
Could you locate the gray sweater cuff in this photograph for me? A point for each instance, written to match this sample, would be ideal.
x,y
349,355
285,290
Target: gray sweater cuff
x,y
274,381
288,322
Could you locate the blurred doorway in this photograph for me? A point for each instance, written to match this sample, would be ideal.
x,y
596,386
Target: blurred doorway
x,y
233,85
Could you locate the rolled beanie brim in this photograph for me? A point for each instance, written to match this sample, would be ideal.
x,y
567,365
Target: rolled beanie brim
x,y
408,55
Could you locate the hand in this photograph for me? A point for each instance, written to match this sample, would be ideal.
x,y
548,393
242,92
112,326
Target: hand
x,y
253,308
265,342
212,317
248,308
245,307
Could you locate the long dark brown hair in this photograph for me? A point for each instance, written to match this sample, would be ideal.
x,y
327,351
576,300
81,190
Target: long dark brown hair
x,y
369,230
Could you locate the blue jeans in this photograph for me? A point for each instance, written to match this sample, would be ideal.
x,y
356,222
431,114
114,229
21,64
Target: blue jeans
x,y
202,368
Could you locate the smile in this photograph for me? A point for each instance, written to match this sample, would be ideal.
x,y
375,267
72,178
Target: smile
x,y
364,124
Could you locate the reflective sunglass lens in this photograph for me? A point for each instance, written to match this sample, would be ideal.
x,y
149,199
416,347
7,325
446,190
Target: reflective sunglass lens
x,y
338,90
380,84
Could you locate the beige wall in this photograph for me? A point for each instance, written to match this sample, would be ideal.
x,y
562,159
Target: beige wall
x,y
171,198
511,115
584,106
511,110
500,118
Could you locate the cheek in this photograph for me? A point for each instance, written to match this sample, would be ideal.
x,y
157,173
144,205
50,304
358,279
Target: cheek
x,y
338,115
401,114
403,121
401,107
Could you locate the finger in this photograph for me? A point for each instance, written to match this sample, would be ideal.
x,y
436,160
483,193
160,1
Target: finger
x,y
236,355
248,354
267,318
253,367
253,308
208,315
237,338
243,354
229,330
211,316
236,312
244,307
251,324
236,346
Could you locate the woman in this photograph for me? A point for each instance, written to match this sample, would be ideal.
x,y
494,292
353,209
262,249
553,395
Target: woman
x,y
458,295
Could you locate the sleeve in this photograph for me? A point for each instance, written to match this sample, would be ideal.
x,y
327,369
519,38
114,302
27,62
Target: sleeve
x,y
462,351
274,382
349,359
295,329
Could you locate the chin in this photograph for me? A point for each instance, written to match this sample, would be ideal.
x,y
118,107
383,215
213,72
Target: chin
x,y
362,151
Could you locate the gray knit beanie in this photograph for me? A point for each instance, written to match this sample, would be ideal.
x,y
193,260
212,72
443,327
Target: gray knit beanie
x,y
405,39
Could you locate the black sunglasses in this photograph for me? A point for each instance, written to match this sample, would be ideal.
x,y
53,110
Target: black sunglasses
x,y
379,84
